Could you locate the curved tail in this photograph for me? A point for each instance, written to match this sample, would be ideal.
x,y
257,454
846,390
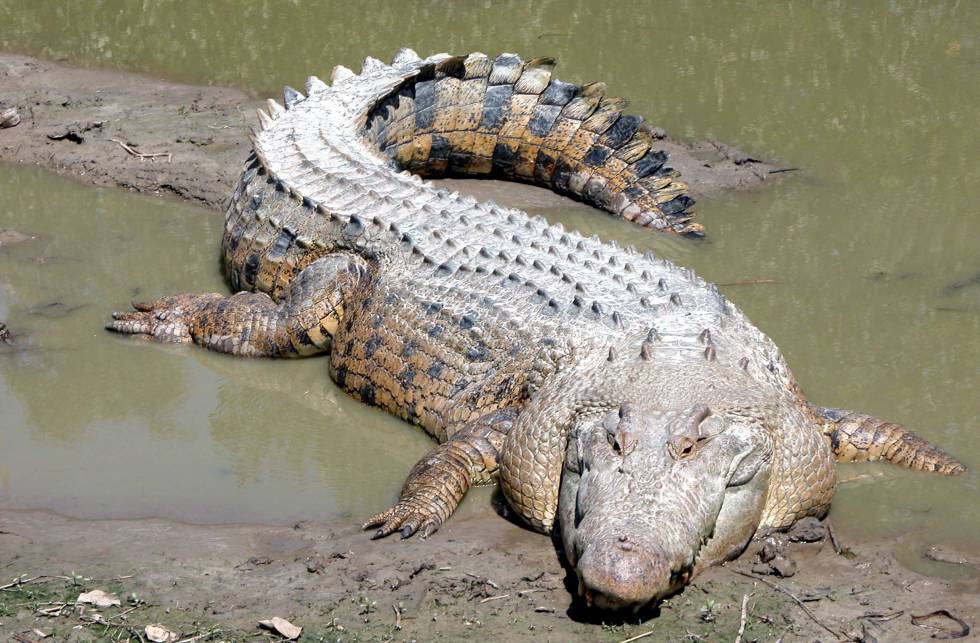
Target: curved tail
x,y
509,119
856,437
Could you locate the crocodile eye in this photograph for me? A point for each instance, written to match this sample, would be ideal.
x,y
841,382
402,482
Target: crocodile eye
x,y
686,447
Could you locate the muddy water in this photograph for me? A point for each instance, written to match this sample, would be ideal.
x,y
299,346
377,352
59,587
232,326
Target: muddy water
x,y
873,244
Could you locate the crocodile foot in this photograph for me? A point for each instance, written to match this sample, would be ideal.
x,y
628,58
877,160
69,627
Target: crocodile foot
x,y
414,513
431,493
167,319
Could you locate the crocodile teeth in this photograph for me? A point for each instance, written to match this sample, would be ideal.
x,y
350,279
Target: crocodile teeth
x,y
340,73
405,56
275,109
290,97
264,121
314,85
372,64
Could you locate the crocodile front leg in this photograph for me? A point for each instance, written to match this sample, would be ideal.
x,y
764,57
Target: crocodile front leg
x,y
437,484
253,324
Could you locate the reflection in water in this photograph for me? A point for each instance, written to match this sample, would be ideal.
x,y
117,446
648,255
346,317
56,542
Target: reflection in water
x,y
875,101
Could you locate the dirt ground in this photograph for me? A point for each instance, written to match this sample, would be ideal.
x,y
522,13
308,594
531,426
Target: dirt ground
x,y
76,121
480,577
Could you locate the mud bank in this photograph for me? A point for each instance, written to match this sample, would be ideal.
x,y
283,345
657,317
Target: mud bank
x,y
478,577
190,141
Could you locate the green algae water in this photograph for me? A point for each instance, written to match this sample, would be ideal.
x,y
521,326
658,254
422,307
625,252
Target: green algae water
x,y
870,253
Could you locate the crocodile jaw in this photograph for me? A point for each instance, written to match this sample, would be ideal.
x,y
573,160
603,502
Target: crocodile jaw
x,y
637,529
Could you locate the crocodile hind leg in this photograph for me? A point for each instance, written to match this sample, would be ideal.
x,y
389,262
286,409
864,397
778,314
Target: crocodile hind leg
x,y
437,484
856,437
253,324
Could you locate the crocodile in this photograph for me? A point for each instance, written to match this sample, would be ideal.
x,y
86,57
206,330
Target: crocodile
x,y
619,399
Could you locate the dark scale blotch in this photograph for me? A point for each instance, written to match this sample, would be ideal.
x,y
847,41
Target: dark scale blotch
x,y
391,298
282,243
425,99
543,119
496,106
459,386
371,346
435,330
835,440
459,161
561,176
597,155
467,321
649,164
504,386
340,376
478,353
406,376
410,348
251,269
367,303
503,159
257,199
676,206
558,93
366,393
432,307
544,166
436,370
622,130
441,148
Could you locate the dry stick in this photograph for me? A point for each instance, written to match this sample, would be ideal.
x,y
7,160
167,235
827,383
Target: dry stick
x,y
638,637
398,617
741,622
833,538
199,636
791,595
494,598
140,155
750,282
23,581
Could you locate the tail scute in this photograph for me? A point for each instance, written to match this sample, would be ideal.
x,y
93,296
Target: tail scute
x,y
506,118
856,437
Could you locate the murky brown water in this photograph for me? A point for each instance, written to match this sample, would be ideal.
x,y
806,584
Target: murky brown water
x,y
877,103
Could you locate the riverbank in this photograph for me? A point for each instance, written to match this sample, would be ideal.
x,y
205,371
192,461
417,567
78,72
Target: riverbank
x,y
124,130
478,577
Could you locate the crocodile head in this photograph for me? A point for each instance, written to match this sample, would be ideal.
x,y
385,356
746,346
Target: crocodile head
x,y
651,496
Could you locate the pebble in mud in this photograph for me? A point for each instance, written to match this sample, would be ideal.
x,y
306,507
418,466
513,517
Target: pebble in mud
x,y
9,117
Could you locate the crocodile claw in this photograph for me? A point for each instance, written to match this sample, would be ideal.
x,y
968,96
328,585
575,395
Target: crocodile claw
x,y
165,320
408,517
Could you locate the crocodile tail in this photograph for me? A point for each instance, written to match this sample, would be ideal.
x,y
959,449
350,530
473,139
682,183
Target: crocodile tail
x,y
856,437
509,119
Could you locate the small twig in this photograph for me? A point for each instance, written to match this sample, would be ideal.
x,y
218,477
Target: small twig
x,y
833,537
141,155
883,617
741,622
23,581
524,592
750,282
784,169
791,595
398,617
637,637
198,637
494,598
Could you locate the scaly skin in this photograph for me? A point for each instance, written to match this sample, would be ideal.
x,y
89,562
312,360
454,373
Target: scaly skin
x,y
613,394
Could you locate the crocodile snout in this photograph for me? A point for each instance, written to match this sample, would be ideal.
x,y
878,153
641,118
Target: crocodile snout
x,y
619,573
